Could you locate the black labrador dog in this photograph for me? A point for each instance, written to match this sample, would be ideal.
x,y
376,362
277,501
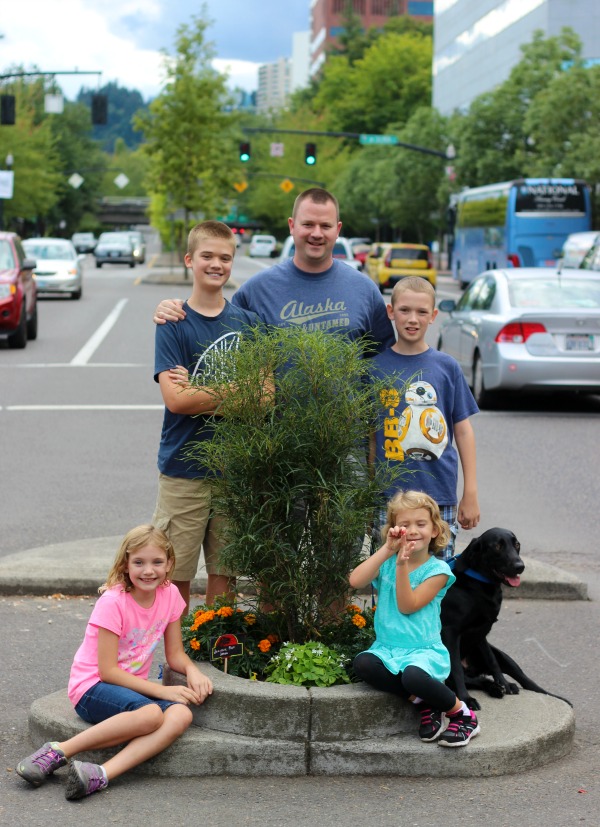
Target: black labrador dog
x,y
469,610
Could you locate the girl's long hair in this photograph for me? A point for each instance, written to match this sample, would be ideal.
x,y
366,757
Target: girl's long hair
x,y
412,500
137,538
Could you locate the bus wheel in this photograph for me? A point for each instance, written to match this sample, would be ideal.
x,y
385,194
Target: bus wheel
x,y
483,397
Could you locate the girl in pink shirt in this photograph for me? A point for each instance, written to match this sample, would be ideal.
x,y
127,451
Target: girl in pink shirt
x,y
109,684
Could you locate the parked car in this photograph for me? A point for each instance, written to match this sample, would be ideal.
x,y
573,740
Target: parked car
x,y
115,248
139,246
576,246
18,292
262,245
591,260
84,242
341,250
524,329
58,268
388,263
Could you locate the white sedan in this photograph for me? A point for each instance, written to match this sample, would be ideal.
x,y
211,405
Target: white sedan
x,y
262,245
58,265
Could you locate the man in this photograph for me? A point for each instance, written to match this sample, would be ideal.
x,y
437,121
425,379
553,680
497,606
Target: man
x,y
312,289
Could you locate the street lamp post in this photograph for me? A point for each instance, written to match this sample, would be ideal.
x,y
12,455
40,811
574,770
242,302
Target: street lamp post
x,y
8,162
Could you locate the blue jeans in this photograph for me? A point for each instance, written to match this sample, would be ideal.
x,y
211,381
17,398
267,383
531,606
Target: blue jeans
x,y
103,700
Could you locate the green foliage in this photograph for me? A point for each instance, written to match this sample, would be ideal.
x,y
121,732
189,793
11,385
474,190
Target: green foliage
x,y
132,163
290,476
189,136
307,664
351,633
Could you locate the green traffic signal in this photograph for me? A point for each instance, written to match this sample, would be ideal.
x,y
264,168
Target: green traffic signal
x,y
310,154
244,152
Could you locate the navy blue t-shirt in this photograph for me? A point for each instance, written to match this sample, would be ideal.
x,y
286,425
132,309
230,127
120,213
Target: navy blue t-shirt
x,y
339,299
417,428
200,343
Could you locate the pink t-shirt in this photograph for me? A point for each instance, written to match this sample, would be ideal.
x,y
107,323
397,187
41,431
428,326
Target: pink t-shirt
x,y
139,632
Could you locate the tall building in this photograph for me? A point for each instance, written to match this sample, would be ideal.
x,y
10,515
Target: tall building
x,y
274,85
327,20
477,42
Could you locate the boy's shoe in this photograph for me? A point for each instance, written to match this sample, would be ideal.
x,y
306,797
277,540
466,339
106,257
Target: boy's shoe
x,y
84,779
433,723
37,767
461,728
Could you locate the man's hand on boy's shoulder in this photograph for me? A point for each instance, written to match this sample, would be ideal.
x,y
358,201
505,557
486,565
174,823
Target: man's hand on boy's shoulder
x,y
169,310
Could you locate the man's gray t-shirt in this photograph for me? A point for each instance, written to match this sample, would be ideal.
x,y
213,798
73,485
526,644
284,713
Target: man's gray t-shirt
x,y
339,299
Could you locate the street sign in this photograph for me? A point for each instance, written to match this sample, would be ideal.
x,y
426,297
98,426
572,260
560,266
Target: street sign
x,y
377,140
286,185
121,180
277,150
241,186
76,180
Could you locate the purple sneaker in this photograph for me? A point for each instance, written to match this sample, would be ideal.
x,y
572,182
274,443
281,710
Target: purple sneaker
x,y
41,764
84,779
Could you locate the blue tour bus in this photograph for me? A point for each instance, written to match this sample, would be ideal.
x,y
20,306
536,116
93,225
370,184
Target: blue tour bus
x,y
521,223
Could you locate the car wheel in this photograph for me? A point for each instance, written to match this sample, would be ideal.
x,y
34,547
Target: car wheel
x,y
483,397
98,264
18,339
132,264
440,344
76,294
32,324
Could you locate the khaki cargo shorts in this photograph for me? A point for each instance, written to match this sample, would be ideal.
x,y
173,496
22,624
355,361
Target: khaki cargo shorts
x,y
183,512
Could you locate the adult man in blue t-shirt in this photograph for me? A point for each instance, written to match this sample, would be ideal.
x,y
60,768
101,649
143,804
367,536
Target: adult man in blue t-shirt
x,y
312,289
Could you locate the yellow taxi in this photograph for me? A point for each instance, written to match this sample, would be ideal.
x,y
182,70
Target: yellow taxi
x,y
388,263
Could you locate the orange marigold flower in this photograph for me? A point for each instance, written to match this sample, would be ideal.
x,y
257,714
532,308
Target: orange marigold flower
x,y
359,621
203,617
352,607
273,638
195,644
250,619
225,611
264,645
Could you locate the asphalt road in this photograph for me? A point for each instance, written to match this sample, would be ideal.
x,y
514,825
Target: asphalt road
x,y
72,472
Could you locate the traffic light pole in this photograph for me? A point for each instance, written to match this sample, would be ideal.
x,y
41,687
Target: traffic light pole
x,y
356,136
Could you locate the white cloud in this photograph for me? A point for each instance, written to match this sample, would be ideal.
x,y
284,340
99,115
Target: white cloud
x,y
241,73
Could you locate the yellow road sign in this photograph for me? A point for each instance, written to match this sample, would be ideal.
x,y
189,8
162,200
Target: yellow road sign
x,y
241,186
286,185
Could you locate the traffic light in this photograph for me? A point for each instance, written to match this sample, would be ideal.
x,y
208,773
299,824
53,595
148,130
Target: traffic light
x,y
310,154
7,110
244,152
99,110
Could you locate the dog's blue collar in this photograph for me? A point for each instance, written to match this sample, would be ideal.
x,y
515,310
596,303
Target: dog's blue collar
x,y
470,572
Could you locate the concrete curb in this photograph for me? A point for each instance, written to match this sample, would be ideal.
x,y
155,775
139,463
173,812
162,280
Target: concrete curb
x,y
256,729
80,566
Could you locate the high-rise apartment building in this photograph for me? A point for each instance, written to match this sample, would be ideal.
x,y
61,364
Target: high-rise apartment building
x,y
327,20
274,85
477,42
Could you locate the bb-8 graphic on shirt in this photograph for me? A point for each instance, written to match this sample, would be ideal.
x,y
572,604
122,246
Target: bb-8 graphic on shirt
x,y
421,432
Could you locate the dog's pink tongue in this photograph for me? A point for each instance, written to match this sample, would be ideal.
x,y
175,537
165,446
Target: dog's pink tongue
x,y
513,581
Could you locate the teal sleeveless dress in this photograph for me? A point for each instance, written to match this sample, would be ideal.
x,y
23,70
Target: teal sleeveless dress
x,y
410,639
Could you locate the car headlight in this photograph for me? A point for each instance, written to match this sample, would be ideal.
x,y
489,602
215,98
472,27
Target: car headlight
x,y
7,290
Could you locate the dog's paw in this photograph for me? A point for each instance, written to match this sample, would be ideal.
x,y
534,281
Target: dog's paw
x,y
512,689
497,690
473,703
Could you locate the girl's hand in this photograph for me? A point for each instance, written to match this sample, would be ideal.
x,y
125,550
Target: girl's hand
x,y
402,548
199,683
181,695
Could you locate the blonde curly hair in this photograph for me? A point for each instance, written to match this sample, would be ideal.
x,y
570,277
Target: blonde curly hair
x,y
137,538
412,500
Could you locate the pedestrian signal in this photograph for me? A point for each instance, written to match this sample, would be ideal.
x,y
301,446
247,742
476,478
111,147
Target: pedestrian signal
x,y
7,110
310,154
245,152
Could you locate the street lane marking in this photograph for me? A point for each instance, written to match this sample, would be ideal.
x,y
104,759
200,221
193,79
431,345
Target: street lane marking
x,y
111,365
82,408
94,342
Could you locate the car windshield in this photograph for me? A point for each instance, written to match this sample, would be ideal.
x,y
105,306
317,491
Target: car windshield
x,y
555,293
112,237
407,254
48,252
339,251
6,257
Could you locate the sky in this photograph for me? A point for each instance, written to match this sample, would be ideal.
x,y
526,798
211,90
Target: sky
x,y
123,39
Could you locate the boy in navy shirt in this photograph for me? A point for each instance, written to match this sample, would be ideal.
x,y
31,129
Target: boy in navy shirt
x,y
419,425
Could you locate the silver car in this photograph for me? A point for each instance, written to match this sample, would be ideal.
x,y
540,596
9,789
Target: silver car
x,y
58,265
115,248
526,329
341,250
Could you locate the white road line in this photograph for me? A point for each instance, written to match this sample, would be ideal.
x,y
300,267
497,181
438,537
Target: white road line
x,y
87,351
111,365
83,408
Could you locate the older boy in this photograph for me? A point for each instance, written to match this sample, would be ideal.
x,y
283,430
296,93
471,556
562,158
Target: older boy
x,y
195,347
418,426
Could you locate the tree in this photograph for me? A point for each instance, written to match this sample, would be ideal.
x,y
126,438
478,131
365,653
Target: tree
x,y
189,137
123,104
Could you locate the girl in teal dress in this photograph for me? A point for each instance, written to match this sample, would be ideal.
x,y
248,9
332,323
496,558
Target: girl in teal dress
x,y
408,657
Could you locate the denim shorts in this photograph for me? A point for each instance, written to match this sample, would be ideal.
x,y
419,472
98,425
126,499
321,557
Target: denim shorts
x,y
103,700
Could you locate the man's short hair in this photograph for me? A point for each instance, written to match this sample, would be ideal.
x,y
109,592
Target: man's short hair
x,y
208,229
318,196
416,284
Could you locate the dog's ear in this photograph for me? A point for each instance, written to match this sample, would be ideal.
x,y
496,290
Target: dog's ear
x,y
464,560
